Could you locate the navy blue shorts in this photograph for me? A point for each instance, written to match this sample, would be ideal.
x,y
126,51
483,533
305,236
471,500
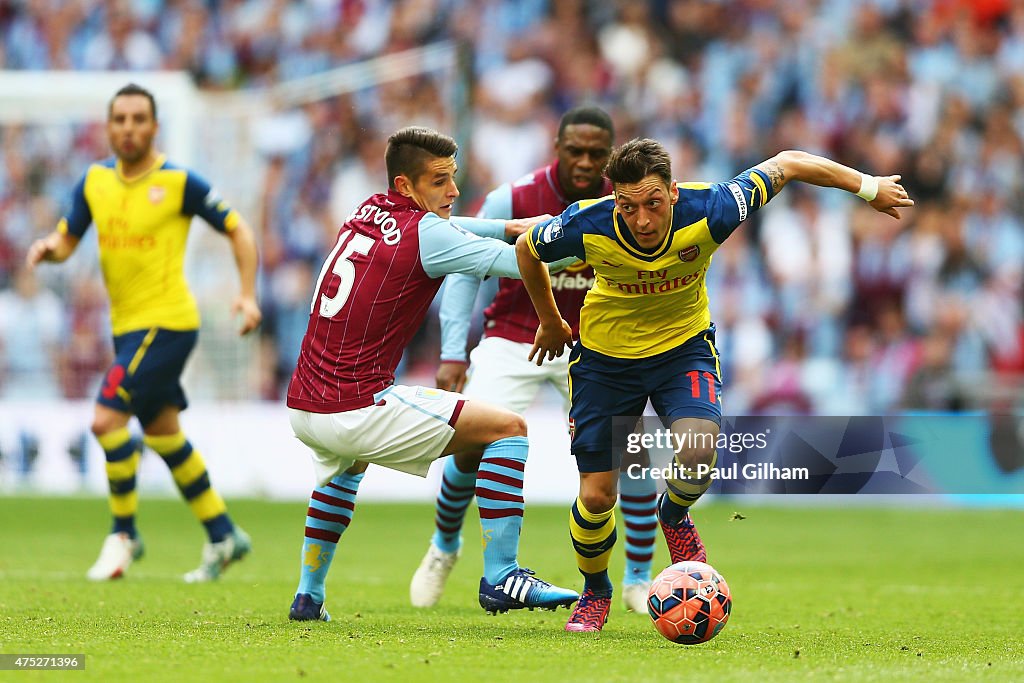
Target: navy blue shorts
x,y
146,374
682,382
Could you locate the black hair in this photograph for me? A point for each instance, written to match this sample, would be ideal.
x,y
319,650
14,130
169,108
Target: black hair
x,y
587,114
133,89
410,148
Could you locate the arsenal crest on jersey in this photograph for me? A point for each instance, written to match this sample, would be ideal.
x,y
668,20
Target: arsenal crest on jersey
x,y
690,253
156,194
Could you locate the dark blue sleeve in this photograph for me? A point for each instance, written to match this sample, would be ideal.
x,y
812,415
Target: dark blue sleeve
x,y
80,217
559,237
729,203
202,200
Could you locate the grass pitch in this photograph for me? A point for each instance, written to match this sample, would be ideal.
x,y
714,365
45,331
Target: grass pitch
x,y
849,594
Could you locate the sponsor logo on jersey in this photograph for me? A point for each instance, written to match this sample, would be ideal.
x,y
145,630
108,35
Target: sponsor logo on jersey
x,y
690,253
566,280
113,240
157,194
741,201
552,231
658,282
572,428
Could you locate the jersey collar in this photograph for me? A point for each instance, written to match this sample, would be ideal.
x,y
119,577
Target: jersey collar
x,y
157,163
630,244
398,199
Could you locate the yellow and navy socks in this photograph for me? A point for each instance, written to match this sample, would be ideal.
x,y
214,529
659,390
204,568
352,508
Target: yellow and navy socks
x,y
122,453
330,511
593,536
638,501
457,489
499,497
189,472
682,492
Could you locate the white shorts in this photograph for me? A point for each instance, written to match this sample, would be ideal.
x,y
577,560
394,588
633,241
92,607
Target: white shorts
x,y
407,432
501,374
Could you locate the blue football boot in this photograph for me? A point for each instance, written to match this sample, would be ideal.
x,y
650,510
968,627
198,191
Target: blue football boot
x,y
521,589
304,608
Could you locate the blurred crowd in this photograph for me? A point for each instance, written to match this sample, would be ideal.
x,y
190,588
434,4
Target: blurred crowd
x,y
822,305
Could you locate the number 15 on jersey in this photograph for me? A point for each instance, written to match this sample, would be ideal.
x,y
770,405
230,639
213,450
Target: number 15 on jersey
x,y
349,245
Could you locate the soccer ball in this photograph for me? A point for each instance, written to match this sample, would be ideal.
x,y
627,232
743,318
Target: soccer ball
x,y
689,603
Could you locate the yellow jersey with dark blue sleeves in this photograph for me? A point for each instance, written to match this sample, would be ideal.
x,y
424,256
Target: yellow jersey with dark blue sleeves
x,y
646,302
142,228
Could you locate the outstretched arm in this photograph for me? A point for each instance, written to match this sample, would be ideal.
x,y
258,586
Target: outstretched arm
x,y
883,193
243,245
55,247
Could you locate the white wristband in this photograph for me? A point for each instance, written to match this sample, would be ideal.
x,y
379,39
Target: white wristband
x,y
868,187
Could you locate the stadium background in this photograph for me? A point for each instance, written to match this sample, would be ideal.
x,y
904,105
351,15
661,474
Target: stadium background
x,y
823,306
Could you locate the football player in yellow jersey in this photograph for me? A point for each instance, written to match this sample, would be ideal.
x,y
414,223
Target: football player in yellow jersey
x,y
142,207
646,330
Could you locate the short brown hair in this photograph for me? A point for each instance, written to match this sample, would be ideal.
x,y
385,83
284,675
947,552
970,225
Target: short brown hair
x,y
637,159
410,148
133,89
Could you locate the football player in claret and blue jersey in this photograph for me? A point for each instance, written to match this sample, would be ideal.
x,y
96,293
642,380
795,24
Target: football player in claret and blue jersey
x,y
373,293
142,207
646,330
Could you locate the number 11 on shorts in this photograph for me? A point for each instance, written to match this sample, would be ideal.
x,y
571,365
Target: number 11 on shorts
x,y
695,384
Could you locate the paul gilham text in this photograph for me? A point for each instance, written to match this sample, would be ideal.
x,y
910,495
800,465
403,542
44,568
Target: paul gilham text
x,y
763,471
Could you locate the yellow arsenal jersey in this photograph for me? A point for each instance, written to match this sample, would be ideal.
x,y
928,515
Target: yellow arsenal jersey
x,y
645,302
142,227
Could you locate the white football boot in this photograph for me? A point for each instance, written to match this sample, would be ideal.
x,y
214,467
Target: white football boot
x,y
634,596
217,556
117,554
428,582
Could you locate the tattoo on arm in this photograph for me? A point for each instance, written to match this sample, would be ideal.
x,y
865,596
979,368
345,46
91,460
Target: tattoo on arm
x,y
775,174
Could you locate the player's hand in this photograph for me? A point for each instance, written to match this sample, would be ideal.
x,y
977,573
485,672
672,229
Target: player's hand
x,y
451,375
250,311
891,196
41,250
517,226
551,341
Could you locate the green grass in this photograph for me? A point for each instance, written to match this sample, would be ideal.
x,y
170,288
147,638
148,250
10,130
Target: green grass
x,y
851,594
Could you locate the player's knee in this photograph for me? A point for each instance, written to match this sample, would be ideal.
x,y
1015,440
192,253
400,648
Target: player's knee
x,y
692,456
598,501
511,424
102,424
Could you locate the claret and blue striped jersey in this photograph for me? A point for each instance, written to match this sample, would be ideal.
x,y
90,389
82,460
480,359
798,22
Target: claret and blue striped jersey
x,y
374,291
142,227
647,302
